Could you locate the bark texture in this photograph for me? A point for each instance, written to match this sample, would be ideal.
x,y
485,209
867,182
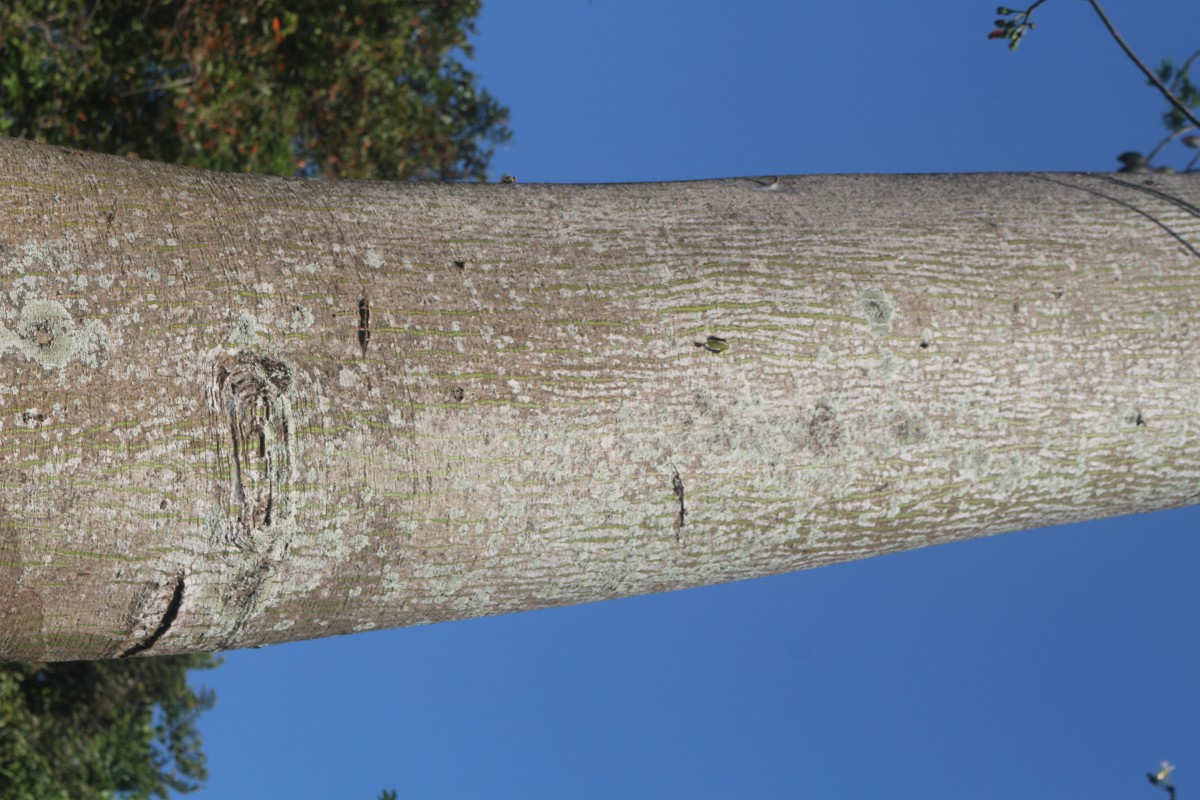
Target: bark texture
x,y
238,410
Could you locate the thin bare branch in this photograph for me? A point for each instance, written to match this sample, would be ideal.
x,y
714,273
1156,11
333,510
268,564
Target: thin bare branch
x,y
1154,79
1170,138
1183,70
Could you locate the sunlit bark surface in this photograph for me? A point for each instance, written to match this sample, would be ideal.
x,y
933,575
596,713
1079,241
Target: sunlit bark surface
x,y
237,410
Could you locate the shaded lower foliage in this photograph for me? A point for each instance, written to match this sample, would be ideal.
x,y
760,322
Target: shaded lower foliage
x,y
101,729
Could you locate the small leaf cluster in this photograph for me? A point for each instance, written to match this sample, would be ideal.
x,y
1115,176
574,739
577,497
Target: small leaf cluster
x,y
1180,83
1012,25
356,89
80,730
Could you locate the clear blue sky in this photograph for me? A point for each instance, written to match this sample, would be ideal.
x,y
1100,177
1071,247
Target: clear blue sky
x,y
1053,663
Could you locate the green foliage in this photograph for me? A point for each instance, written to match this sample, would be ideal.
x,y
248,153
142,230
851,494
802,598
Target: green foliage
x,y
1174,84
79,730
1179,82
359,88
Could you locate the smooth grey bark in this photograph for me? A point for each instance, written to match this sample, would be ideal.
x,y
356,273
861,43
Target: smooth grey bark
x,y
240,410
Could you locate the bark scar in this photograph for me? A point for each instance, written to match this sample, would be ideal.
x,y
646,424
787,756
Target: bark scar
x,y
250,390
163,626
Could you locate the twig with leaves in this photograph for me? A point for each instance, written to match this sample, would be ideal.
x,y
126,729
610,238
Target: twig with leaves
x,y
1162,778
1013,24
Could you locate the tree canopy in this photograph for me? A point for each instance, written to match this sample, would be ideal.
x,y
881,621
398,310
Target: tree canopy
x,y
363,89
87,729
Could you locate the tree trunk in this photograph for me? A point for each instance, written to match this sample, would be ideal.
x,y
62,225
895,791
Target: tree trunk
x,y
241,410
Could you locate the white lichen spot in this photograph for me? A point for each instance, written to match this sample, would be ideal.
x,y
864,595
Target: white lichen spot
x,y
283,625
244,332
302,318
363,626
348,377
1015,471
515,386
44,257
893,507
888,364
394,587
215,526
976,463
373,259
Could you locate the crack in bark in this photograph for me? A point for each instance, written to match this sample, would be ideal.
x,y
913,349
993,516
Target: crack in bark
x,y
364,324
677,488
163,626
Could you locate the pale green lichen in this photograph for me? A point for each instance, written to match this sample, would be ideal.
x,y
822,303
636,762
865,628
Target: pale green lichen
x,y
877,309
46,333
302,319
244,332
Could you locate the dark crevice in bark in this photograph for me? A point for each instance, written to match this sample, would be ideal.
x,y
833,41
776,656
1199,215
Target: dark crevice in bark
x,y
163,627
364,324
677,488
